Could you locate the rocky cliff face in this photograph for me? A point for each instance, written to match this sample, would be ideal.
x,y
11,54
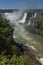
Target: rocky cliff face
x,y
34,22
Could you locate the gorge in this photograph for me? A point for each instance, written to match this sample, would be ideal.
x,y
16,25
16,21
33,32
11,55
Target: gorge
x,y
22,21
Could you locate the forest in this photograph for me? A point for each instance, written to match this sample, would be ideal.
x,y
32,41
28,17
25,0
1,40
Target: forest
x,y
12,53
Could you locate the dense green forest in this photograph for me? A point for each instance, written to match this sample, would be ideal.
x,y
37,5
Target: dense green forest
x,y
10,52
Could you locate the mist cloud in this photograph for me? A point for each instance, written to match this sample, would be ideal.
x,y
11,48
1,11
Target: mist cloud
x,y
13,17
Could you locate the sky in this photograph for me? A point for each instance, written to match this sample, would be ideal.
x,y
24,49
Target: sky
x,y
21,4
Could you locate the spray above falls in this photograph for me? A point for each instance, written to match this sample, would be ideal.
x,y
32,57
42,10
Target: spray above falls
x,y
18,16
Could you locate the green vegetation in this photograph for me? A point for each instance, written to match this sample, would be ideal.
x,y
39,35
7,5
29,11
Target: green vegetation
x,y
39,25
21,60
10,53
6,34
28,16
36,26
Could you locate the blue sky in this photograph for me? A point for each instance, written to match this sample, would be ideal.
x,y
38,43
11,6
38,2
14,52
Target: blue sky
x,y
21,4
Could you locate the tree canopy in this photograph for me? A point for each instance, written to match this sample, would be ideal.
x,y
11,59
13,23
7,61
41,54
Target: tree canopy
x,y
6,33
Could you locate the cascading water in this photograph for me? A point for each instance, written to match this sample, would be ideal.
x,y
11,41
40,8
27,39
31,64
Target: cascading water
x,y
15,20
20,32
23,19
35,14
18,29
29,23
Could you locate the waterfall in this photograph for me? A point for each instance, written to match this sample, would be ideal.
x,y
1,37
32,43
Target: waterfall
x,y
19,29
15,19
16,16
29,23
35,14
23,19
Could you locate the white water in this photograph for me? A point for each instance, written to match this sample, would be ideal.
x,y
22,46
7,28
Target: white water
x,y
23,19
35,14
29,23
13,17
40,60
19,30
